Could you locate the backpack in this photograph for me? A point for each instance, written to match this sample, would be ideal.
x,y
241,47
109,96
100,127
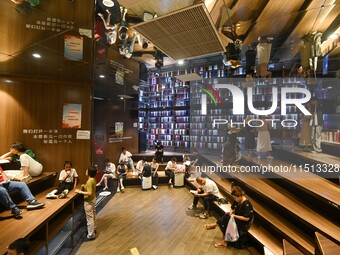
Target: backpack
x,y
146,170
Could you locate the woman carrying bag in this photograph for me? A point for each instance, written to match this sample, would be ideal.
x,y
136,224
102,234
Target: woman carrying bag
x,y
243,214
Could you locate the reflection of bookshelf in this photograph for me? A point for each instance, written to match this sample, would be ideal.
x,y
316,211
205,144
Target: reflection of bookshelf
x,y
164,112
205,136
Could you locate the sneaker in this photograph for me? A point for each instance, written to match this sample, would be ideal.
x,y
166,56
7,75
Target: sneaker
x,y
204,216
51,196
171,186
16,211
192,207
106,188
118,190
154,187
87,239
63,194
34,204
26,179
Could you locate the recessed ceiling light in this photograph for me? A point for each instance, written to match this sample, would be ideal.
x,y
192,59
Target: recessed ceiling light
x,y
180,62
122,98
36,55
330,87
333,36
8,81
101,76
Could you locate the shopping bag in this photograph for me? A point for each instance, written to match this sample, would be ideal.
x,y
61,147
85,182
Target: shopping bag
x,y
231,233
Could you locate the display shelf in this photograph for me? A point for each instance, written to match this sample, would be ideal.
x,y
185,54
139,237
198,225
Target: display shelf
x,y
58,241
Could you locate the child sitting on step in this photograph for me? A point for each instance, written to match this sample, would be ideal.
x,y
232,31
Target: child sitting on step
x,y
68,180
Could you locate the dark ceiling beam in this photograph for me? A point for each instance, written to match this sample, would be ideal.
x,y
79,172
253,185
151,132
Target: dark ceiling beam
x,y
334,26
233,4
254,20
277,44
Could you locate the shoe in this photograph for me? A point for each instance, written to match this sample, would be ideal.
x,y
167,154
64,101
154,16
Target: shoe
x,y
99,184
192,207
106,188
204,216
171,186
63,194
87,239
51,196
16,212
118,190
34,204
154,187
270,157
26,179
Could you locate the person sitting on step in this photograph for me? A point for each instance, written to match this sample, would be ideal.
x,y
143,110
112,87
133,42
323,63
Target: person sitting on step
x,y
170,171
243,213
109,173
68,180
208,191
121,171
7,186
140,166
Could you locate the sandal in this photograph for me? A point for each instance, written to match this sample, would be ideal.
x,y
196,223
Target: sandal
x,y
209,226
220,245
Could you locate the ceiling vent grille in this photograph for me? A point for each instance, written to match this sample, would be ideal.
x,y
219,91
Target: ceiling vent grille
x,y
183,34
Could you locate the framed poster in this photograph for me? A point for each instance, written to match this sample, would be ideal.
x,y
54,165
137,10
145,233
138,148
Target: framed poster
x,y
73,47
119,128
71,116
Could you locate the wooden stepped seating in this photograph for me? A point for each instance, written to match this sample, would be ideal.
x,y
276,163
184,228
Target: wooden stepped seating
x,y
278,223
256,231
297,155
313,184
41,225
289,249
279,197
324,246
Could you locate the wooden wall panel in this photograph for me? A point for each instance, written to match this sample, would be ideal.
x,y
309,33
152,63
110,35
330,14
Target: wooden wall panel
x,y
33,104
18,40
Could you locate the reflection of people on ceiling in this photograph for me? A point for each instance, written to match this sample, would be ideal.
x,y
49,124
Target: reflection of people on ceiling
x,y
263,56
111,30
232,54
124,26
250,60
127,49
310,52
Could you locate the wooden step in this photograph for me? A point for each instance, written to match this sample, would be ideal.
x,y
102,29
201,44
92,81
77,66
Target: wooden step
x,y
324,246
289,249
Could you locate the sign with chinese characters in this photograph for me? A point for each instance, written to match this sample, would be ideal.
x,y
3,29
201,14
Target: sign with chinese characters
x,y
73,47
52,24
83,134
71,116
49,136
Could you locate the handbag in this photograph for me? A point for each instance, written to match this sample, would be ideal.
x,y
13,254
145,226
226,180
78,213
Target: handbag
x,y
231,233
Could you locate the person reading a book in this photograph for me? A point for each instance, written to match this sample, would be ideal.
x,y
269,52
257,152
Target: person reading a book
x,y
208,191
243,213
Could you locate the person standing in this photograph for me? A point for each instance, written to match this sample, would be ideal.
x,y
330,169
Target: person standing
x,y
250,143
159,152
89,192
316,123
263,139
306,131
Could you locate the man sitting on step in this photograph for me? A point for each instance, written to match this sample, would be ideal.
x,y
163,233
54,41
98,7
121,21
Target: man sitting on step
x,y
7,186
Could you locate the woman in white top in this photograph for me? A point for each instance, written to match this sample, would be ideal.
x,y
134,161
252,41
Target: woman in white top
x,y
29,166
109,172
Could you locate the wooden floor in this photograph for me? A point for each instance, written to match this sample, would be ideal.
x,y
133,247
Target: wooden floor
x,y
155,222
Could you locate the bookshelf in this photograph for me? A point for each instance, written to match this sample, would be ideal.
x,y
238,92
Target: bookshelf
x,y
164,112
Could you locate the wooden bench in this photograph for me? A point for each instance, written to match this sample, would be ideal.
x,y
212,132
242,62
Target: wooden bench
x,y
42,226
324,246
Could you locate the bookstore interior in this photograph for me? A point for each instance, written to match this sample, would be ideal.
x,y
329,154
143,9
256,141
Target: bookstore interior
x,y
242,93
